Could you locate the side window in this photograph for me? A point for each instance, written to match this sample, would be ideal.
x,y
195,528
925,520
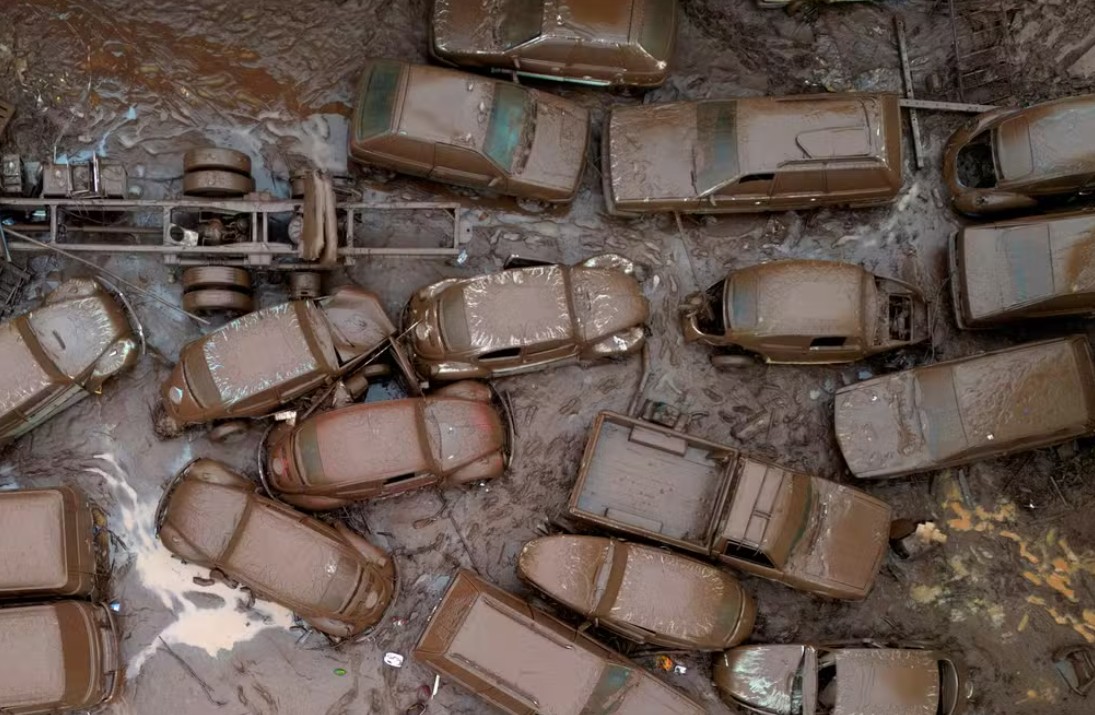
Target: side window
x,y
521,21
735,550
547,51
463,160
749,185
828,342
503,354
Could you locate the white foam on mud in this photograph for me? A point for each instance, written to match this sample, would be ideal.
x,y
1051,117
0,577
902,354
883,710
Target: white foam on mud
x,y
211,629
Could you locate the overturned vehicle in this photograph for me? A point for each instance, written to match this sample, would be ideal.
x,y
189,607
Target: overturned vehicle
x,y
262,361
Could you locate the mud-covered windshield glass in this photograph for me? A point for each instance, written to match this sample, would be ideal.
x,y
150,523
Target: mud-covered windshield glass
x,y
376,103
656,35
510,123
520,22
716,154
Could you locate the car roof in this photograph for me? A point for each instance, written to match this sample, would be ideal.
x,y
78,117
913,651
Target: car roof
x,y
807,298
37,675
513,308
33,552
263,349
669,593
367,442
599,22
443,105
76,332
23,376
1041,141
505,647
885,680
1015,263
278,552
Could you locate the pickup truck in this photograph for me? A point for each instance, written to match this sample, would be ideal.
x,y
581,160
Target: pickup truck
x,y
672,488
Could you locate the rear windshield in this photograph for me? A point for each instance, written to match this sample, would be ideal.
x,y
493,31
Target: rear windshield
x,y
521,22
656,34
376,103
716,155
509,118
743,302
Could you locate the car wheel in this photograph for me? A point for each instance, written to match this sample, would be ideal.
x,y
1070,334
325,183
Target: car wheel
x,y
229,277
228,432
725,362
217,183
209,300
215,158
804,10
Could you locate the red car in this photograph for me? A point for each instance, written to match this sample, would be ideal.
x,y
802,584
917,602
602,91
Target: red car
x,y
376,449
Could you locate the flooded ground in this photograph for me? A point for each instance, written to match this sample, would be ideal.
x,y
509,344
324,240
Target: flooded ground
x,y
140,81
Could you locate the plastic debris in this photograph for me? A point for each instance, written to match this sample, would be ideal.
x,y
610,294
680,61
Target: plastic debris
x,y
393,659
664,662
340,672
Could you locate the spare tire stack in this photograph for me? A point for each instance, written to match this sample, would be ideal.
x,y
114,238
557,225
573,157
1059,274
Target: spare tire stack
x,y
208,289
215,173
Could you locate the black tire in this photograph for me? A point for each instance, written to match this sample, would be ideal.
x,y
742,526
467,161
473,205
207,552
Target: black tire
x,y
228,432
727,362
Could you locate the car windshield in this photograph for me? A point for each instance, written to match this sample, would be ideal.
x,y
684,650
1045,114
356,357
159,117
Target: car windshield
x,y
656,34
716,153
511,119
376,102
521,21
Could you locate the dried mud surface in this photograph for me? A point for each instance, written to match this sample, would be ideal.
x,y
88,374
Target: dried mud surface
x,y
140,81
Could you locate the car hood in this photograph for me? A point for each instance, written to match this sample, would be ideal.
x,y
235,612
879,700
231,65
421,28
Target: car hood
x,y
895,682
845,540
878,426
1039,142
557,156
566,568
23,376
762,677
650,152
606,302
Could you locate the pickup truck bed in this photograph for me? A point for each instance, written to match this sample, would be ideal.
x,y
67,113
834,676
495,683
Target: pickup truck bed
x,y
653,480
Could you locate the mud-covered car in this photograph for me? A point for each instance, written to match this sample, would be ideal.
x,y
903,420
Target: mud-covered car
x,y
57,657
524,319
959,411
753,154
645,594
331,577
1013,159
524,661
655,483
376,449
1036,267
842,680
465,129
606,42
795,312
61,352
49,546
261,361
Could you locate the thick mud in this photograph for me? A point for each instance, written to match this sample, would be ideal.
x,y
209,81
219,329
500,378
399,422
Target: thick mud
x,y
141,81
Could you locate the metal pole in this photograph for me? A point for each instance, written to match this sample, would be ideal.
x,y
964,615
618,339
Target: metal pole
x,y
109,274
906,70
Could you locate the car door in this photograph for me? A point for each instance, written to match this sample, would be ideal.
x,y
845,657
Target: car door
x,y
544,57
752,192
801,185
464,167
401,153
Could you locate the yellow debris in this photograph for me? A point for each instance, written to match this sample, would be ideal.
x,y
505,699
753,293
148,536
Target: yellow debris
x,y
1033,578
925,594
1023,623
